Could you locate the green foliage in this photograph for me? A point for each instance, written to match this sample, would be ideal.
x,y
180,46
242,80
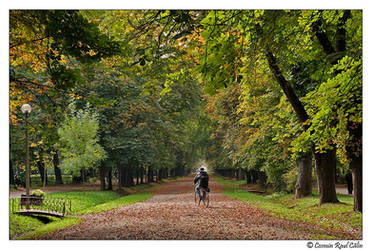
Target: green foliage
x,y
79,142
38,192
171,87
290,179
333,106
256,127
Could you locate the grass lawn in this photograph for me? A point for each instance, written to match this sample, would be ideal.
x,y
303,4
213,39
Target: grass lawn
x,y
19,225
83,202
331,217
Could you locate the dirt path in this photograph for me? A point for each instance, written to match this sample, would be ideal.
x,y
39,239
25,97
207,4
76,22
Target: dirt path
x,y
171,214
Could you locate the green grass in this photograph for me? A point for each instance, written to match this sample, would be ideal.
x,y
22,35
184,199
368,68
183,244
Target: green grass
x,y
19,225
331,217
52,226
82,202
229,182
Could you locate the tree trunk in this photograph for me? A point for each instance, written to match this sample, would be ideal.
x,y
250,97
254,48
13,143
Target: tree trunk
x,y
120,180
124,176
165,173
141,175
304,180
131,175
128,178
41,168
102,178
355,154
262,177
82,175
160,172
325,164
109,179
150,175
356,169
248,176
254,176
137,175
11,173
57,170
91,172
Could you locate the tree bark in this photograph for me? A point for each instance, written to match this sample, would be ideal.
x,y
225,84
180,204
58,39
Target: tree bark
x,y
102,178
131,174
262,177
137,176
91,172
141,173
160,173
41,168
248,176
11,173
124,176
325,164
148,174
120,179
128,178
166,173
254,176
57,170
355,155
304,180
82,175
109,179
356,169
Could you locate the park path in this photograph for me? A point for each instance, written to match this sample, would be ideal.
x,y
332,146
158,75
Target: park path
x,y
172,215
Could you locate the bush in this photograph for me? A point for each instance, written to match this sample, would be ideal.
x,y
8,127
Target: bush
x,y
38,192
290,179
93,179
275,176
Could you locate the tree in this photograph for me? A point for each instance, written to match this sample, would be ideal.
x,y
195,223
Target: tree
x,y
46,51
79,142
284,40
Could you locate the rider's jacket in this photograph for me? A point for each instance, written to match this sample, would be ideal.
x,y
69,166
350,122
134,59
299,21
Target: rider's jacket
x,y
202,179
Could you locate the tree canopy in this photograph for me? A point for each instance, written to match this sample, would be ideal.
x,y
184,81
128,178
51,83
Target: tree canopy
x,y
257,90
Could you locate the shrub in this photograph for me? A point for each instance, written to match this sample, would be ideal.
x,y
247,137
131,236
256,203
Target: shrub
x,y
290,179
93,179
38,192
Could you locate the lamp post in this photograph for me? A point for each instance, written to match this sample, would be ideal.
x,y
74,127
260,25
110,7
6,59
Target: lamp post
x,y
26,109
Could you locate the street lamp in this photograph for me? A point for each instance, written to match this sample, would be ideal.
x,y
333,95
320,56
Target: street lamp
x,y
26,109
